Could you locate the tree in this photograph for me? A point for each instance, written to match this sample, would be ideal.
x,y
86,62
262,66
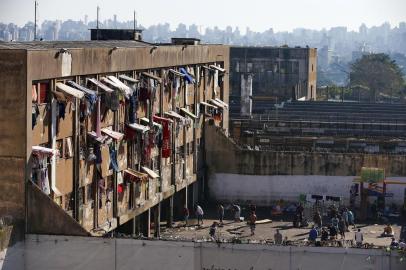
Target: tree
x,y
378,73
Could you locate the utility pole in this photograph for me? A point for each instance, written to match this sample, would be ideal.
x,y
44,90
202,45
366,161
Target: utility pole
x,y
35,19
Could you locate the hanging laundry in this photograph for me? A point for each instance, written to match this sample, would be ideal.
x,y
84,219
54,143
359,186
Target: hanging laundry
x,y
144,95
39,173
87,106
97,152
61,110
165,137
120,188
120,179
129,133
188,78
148,145
132,111
113,159
153,86
44,181
112,101
35,113
102,189
34,93
98,120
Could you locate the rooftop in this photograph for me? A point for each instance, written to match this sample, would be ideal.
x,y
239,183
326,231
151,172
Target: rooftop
x,y
41,45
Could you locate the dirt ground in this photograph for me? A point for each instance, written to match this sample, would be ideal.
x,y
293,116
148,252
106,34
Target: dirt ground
x,y
265,232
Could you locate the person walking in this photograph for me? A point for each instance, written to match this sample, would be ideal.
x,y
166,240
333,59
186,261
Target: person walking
x,y
186,215
253,220
212,231
345,217
199,214
351,218
342,228
221,213
317,219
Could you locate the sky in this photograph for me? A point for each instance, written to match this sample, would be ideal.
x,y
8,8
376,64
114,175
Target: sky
x,y
258,15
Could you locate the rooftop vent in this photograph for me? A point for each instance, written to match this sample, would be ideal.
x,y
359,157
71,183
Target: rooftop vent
x,y
185,41
116,34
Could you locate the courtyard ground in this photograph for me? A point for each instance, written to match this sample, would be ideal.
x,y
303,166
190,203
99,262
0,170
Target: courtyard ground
x,y
265,232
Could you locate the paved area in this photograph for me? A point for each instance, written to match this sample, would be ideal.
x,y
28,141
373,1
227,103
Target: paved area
x,y
265,232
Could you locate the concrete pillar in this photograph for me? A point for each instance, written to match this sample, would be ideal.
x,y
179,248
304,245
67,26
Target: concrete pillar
x,y
194,192
148,229
169,216
157,220
145,223
186,195
134,227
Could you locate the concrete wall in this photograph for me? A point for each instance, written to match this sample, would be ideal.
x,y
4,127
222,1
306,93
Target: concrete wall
x,y
52,252
47,217
45,65
251,162
263,189
267,175
13,137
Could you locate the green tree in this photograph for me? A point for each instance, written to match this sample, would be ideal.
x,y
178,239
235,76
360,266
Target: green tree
x,y
378,73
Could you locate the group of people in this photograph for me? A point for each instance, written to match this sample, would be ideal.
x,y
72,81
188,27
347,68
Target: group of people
x,y
199,213
340,221
237,217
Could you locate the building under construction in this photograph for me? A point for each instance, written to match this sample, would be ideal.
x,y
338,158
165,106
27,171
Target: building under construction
x,y
105,135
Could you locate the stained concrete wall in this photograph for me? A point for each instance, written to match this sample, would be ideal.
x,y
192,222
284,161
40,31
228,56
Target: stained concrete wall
x,y
252,162
13,138
264,189
239,174
47,217
53,252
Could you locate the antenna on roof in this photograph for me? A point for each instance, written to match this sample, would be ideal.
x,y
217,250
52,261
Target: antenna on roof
x,y
35,19
97,19
135,20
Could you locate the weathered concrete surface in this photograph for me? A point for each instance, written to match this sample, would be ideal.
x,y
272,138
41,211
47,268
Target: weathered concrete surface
x,y
58,252
46,217
223,156
266,189
104,60
13,139
273,73
264,176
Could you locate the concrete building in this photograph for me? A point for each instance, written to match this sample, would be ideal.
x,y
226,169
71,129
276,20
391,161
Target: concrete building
x,y
105,135
262,76
309,147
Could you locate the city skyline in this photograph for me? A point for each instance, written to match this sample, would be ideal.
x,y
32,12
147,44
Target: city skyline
x,y
313,14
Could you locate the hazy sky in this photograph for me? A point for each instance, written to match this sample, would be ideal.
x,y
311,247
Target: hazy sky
x,y
259,15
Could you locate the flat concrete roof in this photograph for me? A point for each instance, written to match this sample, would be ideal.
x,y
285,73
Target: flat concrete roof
x,y
41,45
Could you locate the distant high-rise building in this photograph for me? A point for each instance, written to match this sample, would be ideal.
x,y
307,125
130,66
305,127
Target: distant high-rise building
x,y
115,21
